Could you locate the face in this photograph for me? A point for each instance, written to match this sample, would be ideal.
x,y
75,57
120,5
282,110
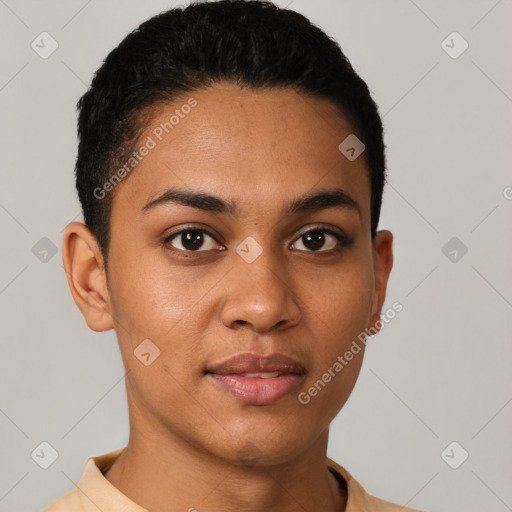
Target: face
x,y
242,274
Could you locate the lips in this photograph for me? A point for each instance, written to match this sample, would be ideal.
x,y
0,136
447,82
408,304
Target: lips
x,y
254,363
257,379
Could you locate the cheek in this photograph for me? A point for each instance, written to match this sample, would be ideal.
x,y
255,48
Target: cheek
x,y
153,298
340,312
158,337
155,301
342,303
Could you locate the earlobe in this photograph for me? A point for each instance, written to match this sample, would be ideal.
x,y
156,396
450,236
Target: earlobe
x,y
382,265
83,264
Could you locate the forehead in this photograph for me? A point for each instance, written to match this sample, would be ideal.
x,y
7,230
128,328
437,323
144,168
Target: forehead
x,y
252,147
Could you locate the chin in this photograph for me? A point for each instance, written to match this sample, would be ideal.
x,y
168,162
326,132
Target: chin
x,y
266,447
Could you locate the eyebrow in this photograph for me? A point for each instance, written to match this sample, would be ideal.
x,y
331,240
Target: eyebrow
x,y
317,201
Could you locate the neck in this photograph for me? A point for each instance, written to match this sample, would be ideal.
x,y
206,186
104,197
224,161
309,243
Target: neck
x,y
160,473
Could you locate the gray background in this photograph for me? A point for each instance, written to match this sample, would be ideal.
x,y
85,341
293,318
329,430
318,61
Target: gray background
x,y
439,372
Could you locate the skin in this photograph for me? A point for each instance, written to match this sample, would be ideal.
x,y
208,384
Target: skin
x,y
192,444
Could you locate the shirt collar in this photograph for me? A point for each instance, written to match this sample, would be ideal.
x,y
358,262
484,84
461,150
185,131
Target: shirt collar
x,y
97,493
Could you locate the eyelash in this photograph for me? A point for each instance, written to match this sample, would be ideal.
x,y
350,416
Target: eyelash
x,y
343,240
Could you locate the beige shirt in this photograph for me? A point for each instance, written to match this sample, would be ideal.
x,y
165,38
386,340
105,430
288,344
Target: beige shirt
x,y
94,492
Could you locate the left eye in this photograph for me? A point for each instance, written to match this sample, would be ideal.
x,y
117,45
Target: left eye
x,y
315,239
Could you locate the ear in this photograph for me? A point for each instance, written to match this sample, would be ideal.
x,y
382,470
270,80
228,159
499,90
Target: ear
x,y
382,265
83,263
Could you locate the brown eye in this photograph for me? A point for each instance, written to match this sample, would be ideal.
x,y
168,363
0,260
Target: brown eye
x,y
191,240
320,240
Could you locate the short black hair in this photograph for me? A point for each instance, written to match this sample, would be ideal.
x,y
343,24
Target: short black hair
x,y
250,43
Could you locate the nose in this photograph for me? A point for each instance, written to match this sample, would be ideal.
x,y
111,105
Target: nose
x,y
259,295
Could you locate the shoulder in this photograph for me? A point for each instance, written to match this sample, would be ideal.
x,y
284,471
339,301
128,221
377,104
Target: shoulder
x,y
70,501
358,499
93,492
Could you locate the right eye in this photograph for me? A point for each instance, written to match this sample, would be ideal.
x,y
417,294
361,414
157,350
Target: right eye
x,y
190,240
